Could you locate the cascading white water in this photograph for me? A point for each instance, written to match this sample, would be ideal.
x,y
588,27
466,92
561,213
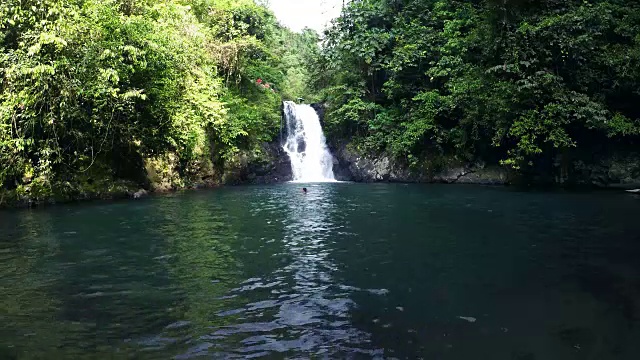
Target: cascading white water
x,y
311,160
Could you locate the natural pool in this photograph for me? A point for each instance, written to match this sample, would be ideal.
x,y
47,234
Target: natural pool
x,y
348,270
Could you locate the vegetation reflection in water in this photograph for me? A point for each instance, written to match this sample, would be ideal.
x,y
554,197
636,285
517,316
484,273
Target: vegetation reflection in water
x,y
345,270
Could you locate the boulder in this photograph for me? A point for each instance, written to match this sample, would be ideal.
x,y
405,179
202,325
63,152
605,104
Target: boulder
x,y
140,194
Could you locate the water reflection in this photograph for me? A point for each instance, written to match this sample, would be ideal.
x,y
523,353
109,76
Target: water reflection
x,y
195,242
27,305
72,283
268,271
299,307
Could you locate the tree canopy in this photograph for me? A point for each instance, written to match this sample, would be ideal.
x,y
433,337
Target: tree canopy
x,y
516,81
91,88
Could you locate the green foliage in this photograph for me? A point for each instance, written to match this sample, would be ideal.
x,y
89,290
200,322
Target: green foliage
x,y
298,53
107,83
518,80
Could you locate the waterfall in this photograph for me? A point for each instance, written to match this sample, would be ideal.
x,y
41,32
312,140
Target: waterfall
x,y
310,158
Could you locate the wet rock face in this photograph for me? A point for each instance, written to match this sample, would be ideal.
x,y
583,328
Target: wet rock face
x,y
475,173
349,166
271,166
610,171
320,109
274,168
615,171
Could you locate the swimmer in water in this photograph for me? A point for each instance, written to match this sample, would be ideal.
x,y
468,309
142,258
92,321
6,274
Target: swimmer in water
x,y
304,190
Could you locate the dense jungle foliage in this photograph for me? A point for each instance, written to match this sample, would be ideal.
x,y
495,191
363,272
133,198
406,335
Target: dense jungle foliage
x,y
98,91
520,82
94,89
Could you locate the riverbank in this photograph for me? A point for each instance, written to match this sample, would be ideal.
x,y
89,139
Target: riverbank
x,y
162,174
271,165
604,171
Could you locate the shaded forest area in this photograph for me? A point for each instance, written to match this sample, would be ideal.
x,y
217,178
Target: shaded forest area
x,y
539,87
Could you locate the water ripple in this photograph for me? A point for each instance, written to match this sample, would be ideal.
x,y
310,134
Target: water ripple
x,y
345,271
304,309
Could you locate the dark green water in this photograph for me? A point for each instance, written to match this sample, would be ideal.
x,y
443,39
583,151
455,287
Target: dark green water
x,y
347,271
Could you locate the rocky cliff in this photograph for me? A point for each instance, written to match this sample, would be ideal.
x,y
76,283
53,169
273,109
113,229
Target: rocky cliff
x,y
349,165
270,165
604,171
